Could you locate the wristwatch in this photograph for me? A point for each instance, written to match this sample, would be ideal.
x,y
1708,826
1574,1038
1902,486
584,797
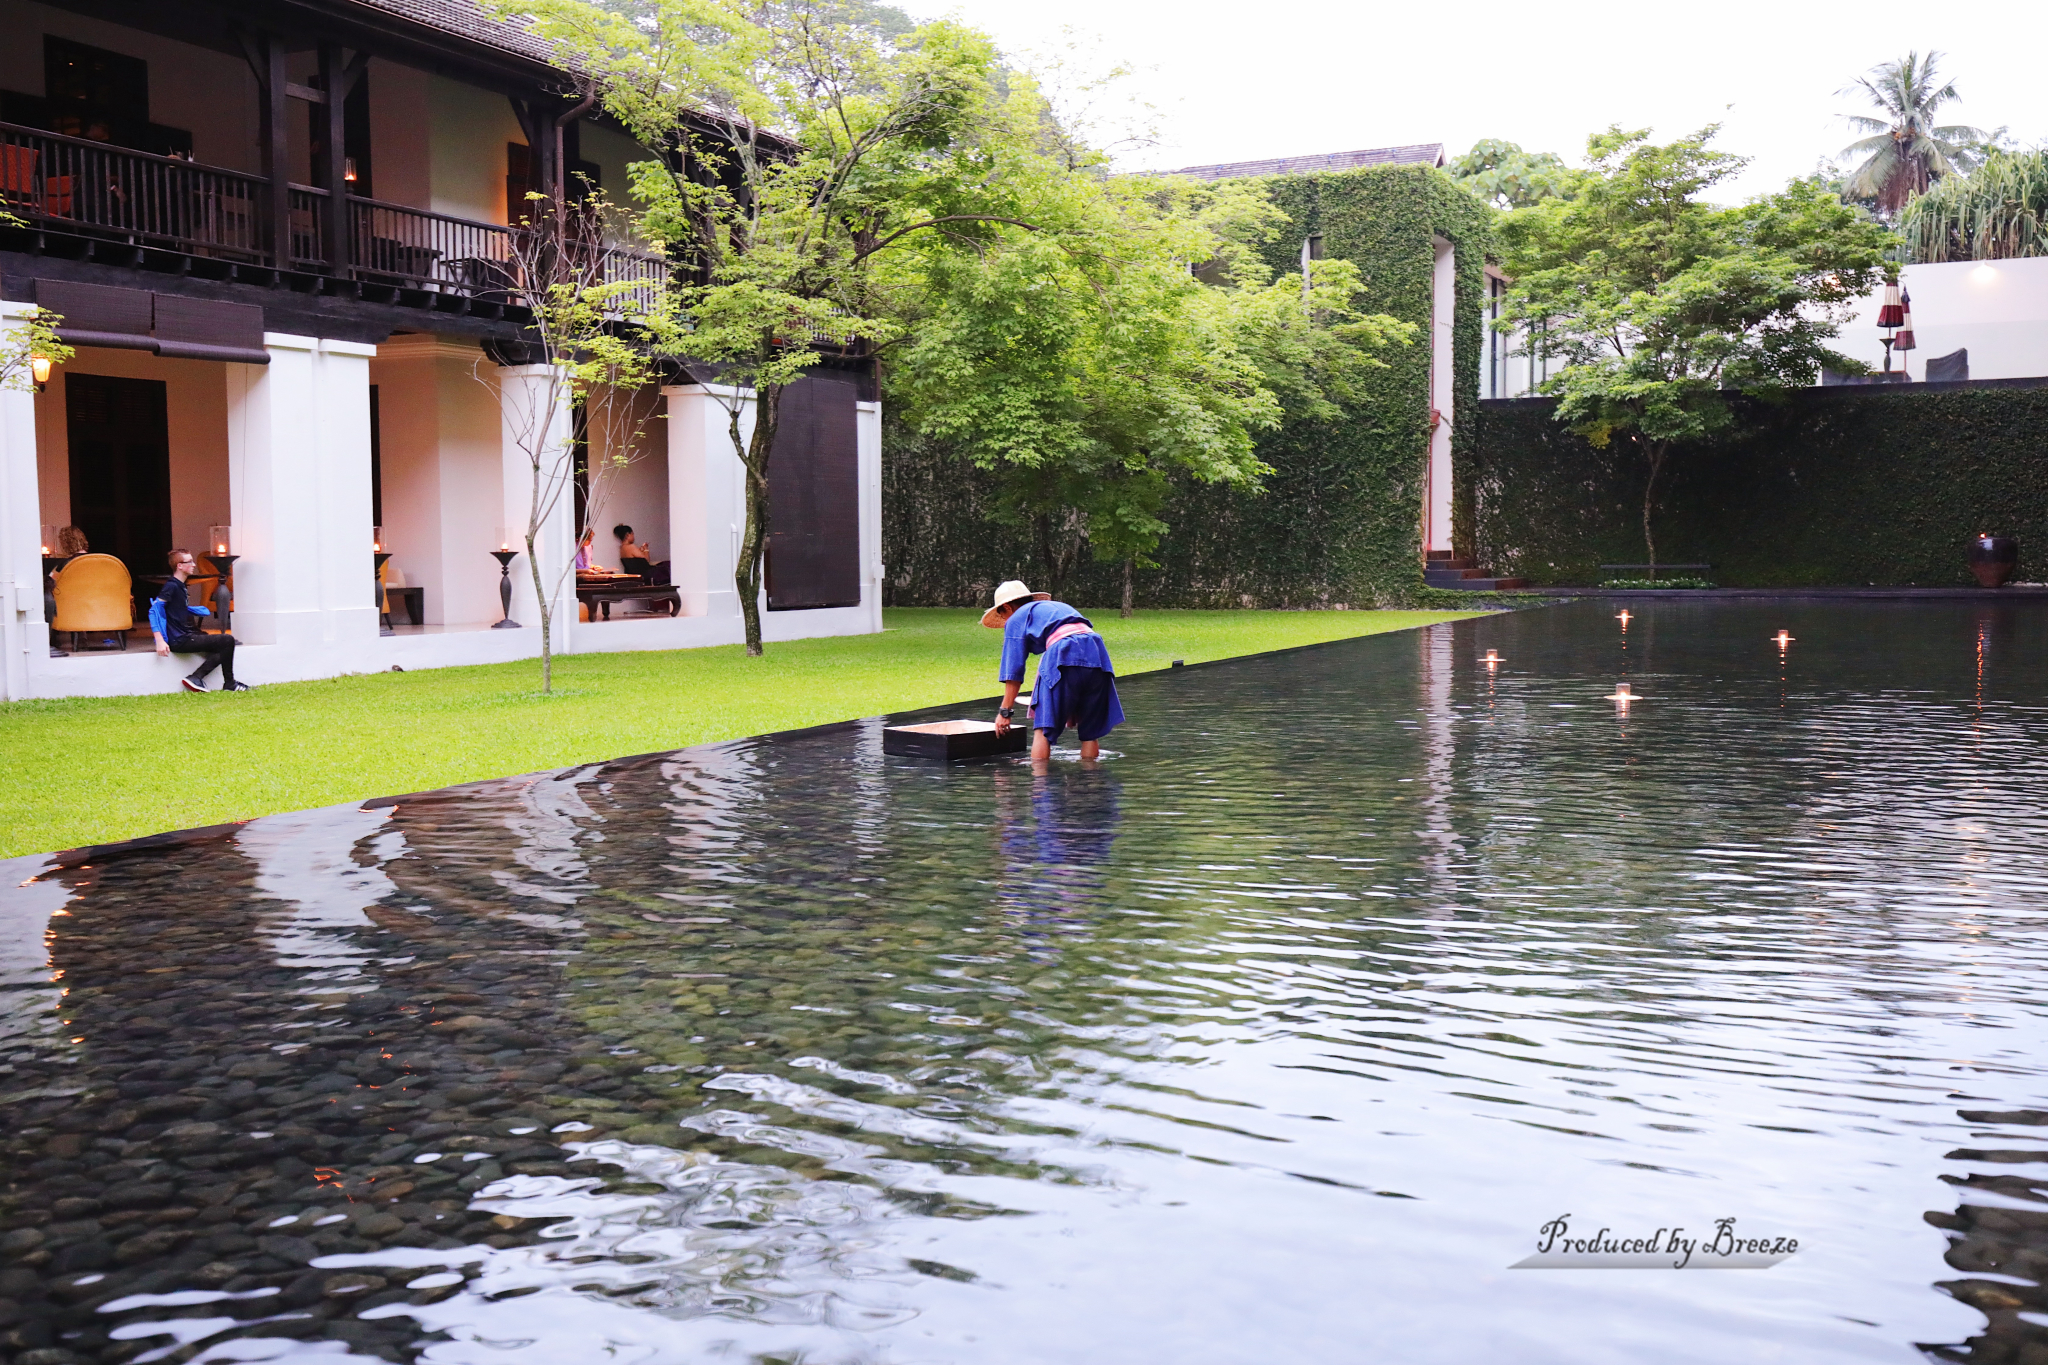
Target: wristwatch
x,y
1006,711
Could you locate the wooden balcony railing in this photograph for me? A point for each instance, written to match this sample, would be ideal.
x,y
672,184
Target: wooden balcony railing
x,y
70,185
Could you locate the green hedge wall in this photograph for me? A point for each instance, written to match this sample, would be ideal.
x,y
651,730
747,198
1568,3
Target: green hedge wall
x,y
1839,486
1337,523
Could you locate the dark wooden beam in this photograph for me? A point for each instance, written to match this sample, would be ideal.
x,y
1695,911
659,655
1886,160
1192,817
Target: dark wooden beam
x,y
335,75
265,52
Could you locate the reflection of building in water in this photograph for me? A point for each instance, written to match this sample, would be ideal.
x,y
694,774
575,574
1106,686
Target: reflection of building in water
x,y
1057,829
28,983
1440,842
307,859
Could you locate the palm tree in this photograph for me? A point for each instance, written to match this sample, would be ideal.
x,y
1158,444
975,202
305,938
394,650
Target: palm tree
x,y
1906,152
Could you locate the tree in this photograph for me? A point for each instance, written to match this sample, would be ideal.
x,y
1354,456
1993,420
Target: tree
x,y
1997,212
587,328
1662,306
1504,176
1091,368
796,142
29,339
1906,151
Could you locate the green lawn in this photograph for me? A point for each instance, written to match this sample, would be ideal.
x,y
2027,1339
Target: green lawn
x,y
89,770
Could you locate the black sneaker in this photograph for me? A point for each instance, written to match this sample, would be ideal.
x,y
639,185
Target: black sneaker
x,y
238,687
192,684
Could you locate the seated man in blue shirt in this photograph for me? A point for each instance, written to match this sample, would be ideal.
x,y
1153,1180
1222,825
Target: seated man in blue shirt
x,y
1076,682
175,622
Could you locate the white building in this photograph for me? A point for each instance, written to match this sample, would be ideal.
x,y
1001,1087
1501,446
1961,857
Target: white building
x,y
285,324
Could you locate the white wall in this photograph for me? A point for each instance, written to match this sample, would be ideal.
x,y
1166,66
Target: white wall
x,y
1997,309
440,442
468,129
299,486
1443,387
23,634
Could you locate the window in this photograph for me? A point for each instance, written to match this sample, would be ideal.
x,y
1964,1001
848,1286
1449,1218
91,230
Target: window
x,y
96,94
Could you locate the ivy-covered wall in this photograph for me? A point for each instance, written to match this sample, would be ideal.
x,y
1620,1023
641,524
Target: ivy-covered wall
x,y
1839,486
1338,522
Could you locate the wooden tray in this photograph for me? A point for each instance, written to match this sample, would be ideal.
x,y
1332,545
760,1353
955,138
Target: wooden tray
x,y
949,739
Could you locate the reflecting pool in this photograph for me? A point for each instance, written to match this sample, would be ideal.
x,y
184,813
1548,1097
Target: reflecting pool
x,y
1276,1037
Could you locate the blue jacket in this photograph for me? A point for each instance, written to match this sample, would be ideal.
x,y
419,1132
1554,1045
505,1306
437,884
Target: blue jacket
x,y
171,613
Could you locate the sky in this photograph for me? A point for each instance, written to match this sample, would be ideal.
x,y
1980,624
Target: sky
x,y
1242,82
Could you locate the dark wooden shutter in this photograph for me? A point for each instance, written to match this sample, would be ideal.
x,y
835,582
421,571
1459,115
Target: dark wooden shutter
x,y
209,329
119,434
814,498
100,314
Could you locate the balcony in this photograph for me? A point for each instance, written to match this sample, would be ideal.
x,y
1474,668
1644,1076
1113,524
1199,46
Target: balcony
x,y
217,223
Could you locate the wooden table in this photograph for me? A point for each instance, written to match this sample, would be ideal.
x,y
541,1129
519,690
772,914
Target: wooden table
x,y
598,592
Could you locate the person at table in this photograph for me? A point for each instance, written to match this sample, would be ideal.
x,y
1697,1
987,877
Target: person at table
x,y
1076,682
585,564
629,548
176,623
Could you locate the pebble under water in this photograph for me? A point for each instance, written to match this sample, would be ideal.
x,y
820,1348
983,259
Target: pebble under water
x,y
1275,1037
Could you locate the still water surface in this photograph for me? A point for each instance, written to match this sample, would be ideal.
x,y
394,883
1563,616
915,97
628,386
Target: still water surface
x,y
1273,1038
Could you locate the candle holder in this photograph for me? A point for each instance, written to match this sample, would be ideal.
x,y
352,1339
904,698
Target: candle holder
x,y
223,592
505,558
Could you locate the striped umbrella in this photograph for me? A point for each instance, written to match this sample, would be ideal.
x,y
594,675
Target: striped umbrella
x,y
1904,340
1890,314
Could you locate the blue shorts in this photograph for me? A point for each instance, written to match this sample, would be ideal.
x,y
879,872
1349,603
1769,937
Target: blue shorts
x,y
1084,698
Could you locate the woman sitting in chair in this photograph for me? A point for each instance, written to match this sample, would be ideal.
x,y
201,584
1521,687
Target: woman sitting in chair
x,y
634,558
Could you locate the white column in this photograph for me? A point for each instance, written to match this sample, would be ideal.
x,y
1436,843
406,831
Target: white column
x,y
706,496
868,423
535,423
299,490
22,629
1436,515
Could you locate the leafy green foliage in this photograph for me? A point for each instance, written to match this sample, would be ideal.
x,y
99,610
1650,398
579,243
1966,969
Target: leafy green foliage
x,y
1090,367
1997,212
1848,486
1660,304
796,142
1502,175
1335,520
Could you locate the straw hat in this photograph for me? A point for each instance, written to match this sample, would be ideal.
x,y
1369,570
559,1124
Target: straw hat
x,y
1009,592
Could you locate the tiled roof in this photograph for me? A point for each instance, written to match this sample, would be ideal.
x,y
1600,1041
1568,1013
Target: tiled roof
x,y
466,19
1422,154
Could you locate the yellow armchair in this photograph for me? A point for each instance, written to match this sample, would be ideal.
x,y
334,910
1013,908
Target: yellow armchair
x,y
94,593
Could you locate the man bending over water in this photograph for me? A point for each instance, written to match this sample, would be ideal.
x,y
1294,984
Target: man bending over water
x,y
1076,682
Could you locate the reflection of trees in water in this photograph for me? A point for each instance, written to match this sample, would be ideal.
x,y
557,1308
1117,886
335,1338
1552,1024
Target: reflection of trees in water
x,y
1998,1238
249,1063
